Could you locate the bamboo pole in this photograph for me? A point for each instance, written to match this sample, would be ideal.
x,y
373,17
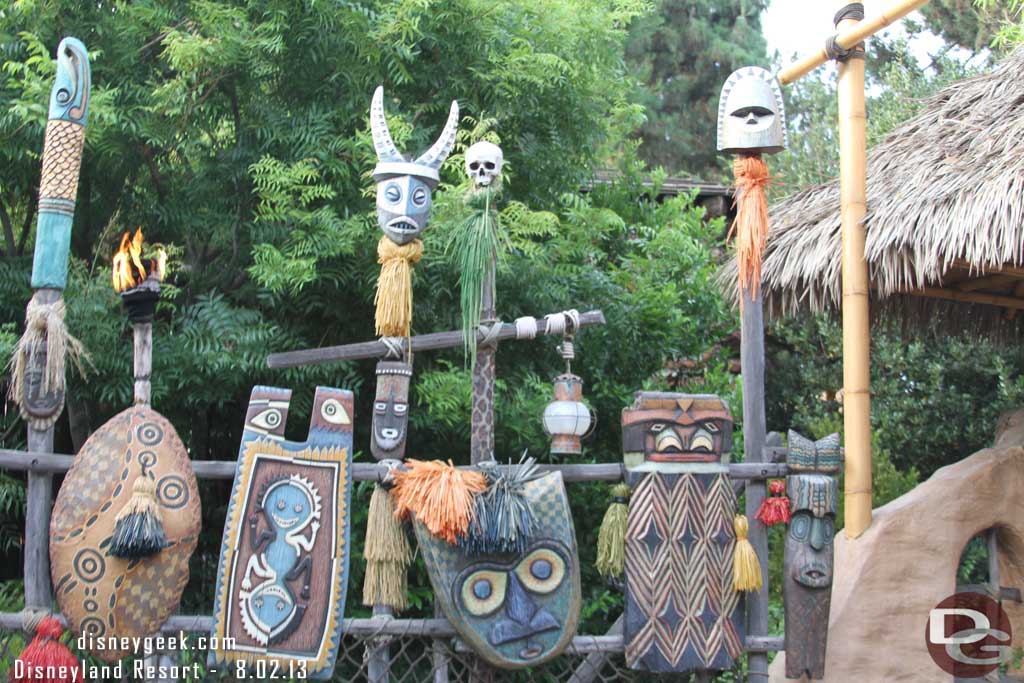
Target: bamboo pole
x,y
856,329
849,35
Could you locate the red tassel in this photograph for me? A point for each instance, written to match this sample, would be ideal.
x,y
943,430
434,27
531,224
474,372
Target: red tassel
x,y
46,659
775,508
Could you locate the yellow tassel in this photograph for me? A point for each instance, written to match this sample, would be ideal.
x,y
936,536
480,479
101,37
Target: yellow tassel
x,y
440,495
138,528
394,287
746,570
611,539
387,554
751,225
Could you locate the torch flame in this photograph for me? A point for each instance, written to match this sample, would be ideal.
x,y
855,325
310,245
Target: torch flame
x,y
128,271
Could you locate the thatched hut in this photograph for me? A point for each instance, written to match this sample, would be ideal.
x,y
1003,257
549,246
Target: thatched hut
x,y
945,228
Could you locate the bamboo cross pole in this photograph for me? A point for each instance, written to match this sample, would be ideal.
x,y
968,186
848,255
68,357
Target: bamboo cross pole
x,y
421,342
851,32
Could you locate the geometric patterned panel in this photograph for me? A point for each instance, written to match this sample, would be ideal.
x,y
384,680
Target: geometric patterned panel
x,y
682,613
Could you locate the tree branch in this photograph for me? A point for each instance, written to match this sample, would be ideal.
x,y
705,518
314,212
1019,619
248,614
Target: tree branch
x,y
5,219
26,227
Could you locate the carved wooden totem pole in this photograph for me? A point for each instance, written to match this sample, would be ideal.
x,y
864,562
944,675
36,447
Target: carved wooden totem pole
x,y
807,567
682,611
283,570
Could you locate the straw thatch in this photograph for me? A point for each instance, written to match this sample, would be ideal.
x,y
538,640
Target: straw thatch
x,y
946,206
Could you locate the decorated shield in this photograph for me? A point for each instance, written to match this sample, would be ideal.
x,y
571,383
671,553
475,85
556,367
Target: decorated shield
x,y
284,560
101,595
515,610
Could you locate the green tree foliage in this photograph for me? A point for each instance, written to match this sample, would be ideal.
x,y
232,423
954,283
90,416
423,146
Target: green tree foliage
x,y
1011,31
236,133
682,54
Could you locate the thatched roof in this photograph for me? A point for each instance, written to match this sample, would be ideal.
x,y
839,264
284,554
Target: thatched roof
x,y
945,228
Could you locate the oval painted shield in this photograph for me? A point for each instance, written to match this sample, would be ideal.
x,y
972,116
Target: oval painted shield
x,y
99,594
516,610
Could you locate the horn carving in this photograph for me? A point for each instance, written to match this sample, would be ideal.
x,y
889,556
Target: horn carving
x,y
436,155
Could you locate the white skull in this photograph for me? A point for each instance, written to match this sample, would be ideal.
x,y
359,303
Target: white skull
x,y
483,163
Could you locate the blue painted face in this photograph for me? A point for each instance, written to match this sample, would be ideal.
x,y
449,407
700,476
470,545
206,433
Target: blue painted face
x,y
69,99
288,507
403,207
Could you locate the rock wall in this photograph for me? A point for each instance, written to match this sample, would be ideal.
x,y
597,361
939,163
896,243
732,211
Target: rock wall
x,y
905,563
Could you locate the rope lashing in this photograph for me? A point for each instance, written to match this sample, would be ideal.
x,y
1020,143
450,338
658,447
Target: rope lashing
x,y
395,347
560,323
490,331
526,327
855,11
31,618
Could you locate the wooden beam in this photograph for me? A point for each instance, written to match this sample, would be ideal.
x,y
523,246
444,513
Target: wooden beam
x,y
1008,270
967,297
422,342
850,37
985,282
53,463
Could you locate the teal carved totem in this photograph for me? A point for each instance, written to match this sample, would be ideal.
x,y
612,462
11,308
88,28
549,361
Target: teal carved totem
x,y
515,610
284,560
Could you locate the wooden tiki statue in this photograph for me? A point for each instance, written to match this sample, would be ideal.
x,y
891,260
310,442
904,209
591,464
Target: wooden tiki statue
x,y
515,610
391,410
102,595
284,560
807,568
682,613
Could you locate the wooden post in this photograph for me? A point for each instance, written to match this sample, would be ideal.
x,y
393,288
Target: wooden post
x,y
143,361
856,324
378,664
39,504
752,373
481,445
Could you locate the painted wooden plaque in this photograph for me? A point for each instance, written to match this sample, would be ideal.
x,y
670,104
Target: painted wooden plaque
x,y
682,613
515,610
284,560
101,595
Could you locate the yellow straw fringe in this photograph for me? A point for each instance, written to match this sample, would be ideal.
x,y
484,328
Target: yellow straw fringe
x,y
387,554
611,538
394,287
746,570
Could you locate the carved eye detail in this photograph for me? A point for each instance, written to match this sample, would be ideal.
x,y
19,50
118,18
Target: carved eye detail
x,y
419,196
400,408
380,407
267,419
712,427
483,592
334,412
800,527
392,193
297,507
280,505
541,571
657,427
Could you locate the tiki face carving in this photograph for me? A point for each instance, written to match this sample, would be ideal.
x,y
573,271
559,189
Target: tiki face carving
x,y
676,428
808,564
516,610
751,113
510,598
40,405
404,186
391,410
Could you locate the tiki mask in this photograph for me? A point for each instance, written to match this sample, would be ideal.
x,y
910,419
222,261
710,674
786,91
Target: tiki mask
x,y
391,410
515,610
807,567
283,569
106,596
40,407
751,113
682,613
404,187
676,428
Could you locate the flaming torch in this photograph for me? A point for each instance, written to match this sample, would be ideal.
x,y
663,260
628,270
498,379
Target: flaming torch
x,y
138,283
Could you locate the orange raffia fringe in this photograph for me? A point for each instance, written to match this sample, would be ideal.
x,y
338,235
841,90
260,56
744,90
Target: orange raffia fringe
x,y
394,287
751,225
775,508
440,495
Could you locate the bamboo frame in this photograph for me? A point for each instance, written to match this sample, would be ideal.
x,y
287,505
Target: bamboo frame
x,y
853,154
853,34
1009,302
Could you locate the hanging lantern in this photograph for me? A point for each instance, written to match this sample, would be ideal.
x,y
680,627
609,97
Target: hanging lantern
x,y
567,419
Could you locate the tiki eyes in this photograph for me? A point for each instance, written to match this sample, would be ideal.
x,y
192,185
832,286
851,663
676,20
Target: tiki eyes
x,y
268,419
333,412
381,408
540,572
419,196
393,193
